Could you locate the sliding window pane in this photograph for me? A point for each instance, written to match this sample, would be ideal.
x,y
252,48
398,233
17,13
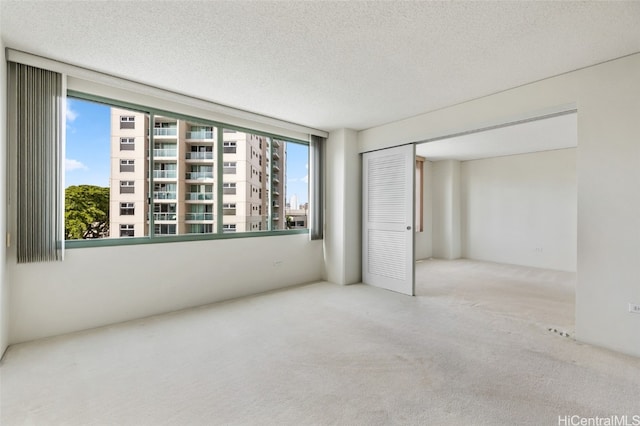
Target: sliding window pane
x,y
265,183
105,171
165,165
184,173
290,163
245,185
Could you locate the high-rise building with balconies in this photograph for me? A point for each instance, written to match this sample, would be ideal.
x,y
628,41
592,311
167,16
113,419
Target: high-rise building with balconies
x,y
181,190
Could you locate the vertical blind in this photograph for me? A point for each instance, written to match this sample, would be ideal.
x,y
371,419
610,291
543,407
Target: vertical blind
x,y
36,97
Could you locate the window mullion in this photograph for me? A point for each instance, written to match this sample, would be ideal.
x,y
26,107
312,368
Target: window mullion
x,y
150,194
218,181
268,181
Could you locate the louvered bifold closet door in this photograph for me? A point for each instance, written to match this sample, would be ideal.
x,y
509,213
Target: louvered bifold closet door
x,y
36,99
388,200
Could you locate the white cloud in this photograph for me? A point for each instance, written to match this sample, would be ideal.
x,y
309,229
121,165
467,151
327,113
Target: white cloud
x,y
305,179
306,166
71,115
70,165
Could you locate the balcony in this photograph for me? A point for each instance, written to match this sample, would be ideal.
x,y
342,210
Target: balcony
x,y
164,195
276,166
165,174
275,178
199,175
165,131
200,134
207,155
199,216
275,191
275,155
199,196
275,144
165,153
164,216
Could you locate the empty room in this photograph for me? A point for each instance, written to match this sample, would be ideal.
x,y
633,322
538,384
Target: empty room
x,y
502,200
302,213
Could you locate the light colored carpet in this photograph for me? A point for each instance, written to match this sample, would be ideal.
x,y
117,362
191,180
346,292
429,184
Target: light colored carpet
x,y
536,295
325,354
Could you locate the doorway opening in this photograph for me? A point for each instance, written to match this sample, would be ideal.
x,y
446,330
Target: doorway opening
x,y
499,220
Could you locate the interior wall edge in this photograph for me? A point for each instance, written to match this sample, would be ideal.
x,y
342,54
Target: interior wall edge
x,y
4,283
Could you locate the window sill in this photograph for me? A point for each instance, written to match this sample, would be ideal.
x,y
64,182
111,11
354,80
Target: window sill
x,y
111,242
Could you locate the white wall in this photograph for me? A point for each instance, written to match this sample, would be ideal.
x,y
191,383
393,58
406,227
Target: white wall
x,y
352,210
446,209
521,209
4,285
99,286
342,230
106,285
424,248
607,97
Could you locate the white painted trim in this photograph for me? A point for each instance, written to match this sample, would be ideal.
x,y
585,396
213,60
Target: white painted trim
x,y
217,112
527,118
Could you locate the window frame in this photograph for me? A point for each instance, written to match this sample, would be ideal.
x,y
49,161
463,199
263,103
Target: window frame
x,y
127,227
127,144
126,184
219,127
229,228
229,147
126,206
228,166
128,164
127,122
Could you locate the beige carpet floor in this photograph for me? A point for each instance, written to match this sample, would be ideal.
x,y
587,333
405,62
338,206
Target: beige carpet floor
x,y
474,348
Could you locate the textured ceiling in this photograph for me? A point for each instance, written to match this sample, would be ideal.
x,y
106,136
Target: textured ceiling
x,y
327,65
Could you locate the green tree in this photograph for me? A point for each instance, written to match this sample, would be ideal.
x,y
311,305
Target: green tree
x,y
86,212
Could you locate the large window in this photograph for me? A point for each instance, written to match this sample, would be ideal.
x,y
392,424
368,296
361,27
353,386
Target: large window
x,y
183,176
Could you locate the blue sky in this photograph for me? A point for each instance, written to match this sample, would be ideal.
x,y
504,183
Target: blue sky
x,y
298,172
88,150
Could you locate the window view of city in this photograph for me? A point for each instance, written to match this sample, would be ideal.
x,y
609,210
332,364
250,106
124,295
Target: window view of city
x,y
129,174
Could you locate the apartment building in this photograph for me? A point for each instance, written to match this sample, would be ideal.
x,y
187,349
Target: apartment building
x,y
181,190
